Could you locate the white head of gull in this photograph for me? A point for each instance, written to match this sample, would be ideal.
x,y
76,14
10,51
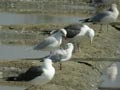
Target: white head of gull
x,y
89,32
37,75
51,42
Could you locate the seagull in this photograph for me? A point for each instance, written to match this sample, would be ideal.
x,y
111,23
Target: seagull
x,y
76,31
36,75
61,55
108,16
51,42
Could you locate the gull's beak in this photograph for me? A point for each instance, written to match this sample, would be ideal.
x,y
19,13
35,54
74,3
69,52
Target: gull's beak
x,y
91,41
64,36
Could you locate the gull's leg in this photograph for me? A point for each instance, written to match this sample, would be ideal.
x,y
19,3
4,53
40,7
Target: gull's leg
x,y
60,65
51,52
100,28
78,46
107,27
75,47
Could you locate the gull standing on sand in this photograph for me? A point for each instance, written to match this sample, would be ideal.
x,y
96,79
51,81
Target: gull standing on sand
x,y
106,17
52,42
76,31
62,55
36,75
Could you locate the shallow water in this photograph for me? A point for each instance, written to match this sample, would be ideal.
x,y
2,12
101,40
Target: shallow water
x,y
11,88
9,52
14,18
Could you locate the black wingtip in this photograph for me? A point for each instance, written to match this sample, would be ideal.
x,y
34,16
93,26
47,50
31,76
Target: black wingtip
x,y
11,79
46,32
84,20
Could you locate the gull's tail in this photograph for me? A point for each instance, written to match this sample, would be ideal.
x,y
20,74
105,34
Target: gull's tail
x,y
46,32
12,79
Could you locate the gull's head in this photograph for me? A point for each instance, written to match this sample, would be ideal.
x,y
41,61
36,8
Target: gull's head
x,y
69,46
115,10
85,26
47,61
63,32
114,5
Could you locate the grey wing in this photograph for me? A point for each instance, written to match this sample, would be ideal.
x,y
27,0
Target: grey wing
x,y
74,26
98,17
43,44
72,33
58,55
73,30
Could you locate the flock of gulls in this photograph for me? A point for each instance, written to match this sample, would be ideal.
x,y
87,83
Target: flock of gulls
x,y
39,75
